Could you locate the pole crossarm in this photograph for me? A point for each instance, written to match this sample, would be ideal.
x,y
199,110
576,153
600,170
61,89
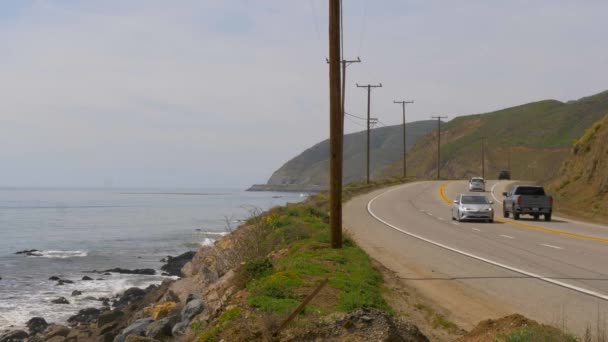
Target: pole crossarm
x,y
439,143
403,103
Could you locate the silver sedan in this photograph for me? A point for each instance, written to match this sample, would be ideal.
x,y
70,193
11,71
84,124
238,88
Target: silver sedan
x,y
472,207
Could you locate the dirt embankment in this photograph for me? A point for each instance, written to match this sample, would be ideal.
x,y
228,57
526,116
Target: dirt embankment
x,y
581,187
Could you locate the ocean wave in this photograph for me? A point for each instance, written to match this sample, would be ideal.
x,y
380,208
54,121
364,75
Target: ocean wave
x,y
59,254
208,242
215,233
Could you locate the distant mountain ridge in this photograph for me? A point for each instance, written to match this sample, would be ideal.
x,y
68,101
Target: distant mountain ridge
x,y
532,139
310,169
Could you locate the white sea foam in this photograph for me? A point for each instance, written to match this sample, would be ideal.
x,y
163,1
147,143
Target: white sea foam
x,y
59,254
216,233
208,242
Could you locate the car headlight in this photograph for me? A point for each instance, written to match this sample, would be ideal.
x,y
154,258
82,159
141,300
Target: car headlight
x,y
466,209
490,209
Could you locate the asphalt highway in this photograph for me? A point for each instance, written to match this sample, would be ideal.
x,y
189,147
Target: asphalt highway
x,y
555,272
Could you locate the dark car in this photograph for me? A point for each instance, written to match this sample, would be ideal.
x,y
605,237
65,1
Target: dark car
x,y
504,174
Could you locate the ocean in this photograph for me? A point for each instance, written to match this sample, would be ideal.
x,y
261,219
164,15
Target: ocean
x,y
80,230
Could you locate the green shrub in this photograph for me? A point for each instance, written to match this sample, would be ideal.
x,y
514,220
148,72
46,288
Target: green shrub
x,y
259,268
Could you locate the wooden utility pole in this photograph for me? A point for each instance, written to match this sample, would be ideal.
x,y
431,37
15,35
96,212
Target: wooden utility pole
x,y
403,103
369,91
439,143
483,158
336,128
344,64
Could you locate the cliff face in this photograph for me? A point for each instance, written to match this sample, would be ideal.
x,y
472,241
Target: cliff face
x,y
582,183
311,167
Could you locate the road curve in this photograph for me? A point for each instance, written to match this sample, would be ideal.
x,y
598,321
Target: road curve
x,y
555,272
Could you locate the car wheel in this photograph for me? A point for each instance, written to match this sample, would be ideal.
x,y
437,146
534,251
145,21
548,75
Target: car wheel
x,y
458,218
547,217
516,216
491,220
536,216
505,213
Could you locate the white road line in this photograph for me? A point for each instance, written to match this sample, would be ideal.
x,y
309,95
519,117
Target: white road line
x,y
550,246
476,257
429,214
441,218
476,229
456,223
507,236
492,191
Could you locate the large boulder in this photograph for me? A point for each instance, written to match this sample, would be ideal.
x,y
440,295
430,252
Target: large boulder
x,y
174,265
13,336
60,300
161,329
137,328
109,317
55,330
129,296
36,325
85,316
191,309
143,271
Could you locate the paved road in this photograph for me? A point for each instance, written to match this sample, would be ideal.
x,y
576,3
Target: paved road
x,y
555,272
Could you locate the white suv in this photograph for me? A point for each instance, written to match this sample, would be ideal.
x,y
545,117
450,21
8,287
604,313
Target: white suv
x,y
477,184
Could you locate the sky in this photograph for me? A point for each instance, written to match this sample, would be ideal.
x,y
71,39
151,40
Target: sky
x,y
215,93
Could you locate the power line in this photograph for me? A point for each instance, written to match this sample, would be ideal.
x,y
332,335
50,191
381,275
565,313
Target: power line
x,y
355,116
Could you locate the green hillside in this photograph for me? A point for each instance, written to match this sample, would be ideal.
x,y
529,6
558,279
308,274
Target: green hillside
x,y
536,136
311,167
581,187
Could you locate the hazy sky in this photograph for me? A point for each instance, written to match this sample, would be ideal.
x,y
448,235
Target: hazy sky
x,y
221,93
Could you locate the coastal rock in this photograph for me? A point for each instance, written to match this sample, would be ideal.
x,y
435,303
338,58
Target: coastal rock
x,y
109,317
142,271
76,293
180,328
55,330
13,336
104,329
26,251
192,308
161,329
133,338
131,295
174,265
138,328
85,316
36,325
87,278
64,281
160,311
54,278
60,300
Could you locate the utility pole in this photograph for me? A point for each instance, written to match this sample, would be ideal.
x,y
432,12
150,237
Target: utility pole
x,y
336,128
438,143
403,103
483,158
369,90
344,64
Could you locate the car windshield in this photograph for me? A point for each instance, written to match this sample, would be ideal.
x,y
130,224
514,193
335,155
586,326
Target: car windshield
x,y
474,200
530,190
477,182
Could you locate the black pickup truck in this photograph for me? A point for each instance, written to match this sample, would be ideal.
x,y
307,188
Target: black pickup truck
x,y
527,200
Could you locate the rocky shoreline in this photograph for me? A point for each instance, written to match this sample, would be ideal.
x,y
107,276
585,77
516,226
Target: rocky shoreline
x,y
103,323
